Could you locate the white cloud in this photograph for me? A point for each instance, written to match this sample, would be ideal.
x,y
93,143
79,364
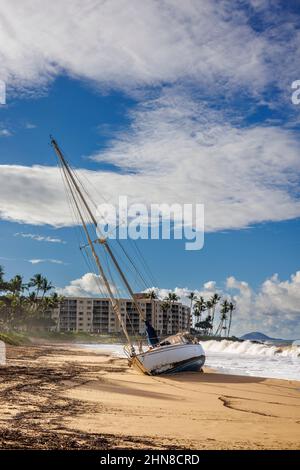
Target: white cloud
x,y
46,260
280,296
184,292
89,285
43,201
273,308
5,133
175,151
39,238
30,125
209,285
36,260
132,44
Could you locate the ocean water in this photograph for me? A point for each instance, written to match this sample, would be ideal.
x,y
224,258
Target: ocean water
x,y
252,359
245,358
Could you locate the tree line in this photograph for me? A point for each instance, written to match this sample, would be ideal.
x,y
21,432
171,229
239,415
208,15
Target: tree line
x,y
212,317
26,305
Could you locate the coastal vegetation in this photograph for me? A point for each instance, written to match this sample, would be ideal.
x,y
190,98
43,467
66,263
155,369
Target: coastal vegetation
x,y
26,306
25,310
211,317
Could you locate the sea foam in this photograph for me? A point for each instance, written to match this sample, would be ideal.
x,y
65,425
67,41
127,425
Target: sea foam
x,y
251,349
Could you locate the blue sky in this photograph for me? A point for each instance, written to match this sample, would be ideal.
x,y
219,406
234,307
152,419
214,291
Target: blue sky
x,y
179,104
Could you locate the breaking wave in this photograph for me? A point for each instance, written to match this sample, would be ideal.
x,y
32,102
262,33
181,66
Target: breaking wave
x,y
251,349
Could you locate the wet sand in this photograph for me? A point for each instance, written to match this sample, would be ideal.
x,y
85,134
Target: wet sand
x,y
63,397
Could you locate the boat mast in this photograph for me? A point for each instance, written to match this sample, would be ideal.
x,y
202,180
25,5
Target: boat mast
x,y
114,301
102,241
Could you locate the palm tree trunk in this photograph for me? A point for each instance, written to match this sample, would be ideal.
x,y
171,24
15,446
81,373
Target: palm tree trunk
x,y
219,329
190,315
230,319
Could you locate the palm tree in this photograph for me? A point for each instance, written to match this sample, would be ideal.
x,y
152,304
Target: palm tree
x,y
205,325
191,297
55,300
15,285
200,307
209,306
223,319
151,294
38,304
2,283
197,314
3,312
231,308
48,304
37,281
165,308
46,286
215,299
171,298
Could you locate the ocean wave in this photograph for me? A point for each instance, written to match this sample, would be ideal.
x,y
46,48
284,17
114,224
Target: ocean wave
x,y
250,349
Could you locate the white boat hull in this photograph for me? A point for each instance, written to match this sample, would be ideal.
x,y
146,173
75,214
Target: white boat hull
x,y
172,358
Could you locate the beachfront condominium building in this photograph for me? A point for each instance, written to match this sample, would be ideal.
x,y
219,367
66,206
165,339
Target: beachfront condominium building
x,y
95,315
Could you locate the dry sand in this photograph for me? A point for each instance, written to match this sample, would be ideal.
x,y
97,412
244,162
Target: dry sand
x,y
65,397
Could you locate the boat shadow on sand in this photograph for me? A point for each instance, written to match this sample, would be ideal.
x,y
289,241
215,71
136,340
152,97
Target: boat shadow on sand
x,y
211,378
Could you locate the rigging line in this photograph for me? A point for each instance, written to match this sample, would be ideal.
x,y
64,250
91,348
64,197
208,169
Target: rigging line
x,y
76,192
144,262
135,274
89,261
79,208
139,271
132,263
90,197
74,188
74,172
96,279
104,220
130,259
99,284
146,267
117,291
71,207
79,233
114,284
127,266
115,302
127,317
95,189
78,228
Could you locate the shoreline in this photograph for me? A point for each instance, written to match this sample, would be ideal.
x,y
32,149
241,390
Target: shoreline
x,y
227,370
62,396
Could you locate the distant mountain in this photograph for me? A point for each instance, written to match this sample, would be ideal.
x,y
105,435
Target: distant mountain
x,y
257,336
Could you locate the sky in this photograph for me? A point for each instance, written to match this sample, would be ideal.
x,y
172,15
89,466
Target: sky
x,y
166,102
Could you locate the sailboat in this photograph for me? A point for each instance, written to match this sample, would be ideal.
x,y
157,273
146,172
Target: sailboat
x,y
176,353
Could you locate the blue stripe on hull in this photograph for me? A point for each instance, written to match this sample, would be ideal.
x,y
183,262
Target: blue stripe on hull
x,y
191,365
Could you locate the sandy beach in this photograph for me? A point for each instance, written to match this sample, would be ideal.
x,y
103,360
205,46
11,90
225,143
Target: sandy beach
x,y
66,397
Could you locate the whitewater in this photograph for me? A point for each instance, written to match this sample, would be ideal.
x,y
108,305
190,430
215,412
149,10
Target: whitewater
x,y
253,359
239,358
